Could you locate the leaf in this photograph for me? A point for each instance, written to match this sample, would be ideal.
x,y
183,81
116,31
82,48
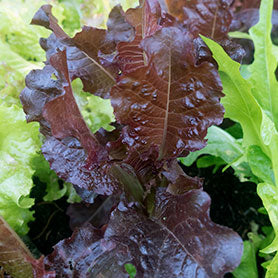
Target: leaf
x,y
15,61
19,143
210,18
179,182
49,177
272,269
177,239
248,265
73,152
220,144
268,194
171,100
83,50
260,164
16,259
258,129
97,213
146,19
96,112
266,61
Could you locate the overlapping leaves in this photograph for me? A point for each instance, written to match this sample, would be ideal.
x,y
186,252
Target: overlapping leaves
x,y
164,100
178,238
15,257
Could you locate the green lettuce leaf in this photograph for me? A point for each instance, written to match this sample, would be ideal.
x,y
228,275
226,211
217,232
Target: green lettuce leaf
x,y
253,103
265,63
225,149
19,142
97,112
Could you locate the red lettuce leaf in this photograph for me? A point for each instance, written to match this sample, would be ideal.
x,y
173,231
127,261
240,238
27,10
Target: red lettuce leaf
x,y
179,182
72,151
15,257
85,49
170,103
178,239
211,18
146,20
97,214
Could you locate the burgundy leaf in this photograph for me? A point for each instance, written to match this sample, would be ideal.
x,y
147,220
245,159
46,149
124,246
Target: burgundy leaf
x,y
246,18
97,214
247,4
72,151
85,49
15,257
170,103
177,240
179,182
146,19
211,18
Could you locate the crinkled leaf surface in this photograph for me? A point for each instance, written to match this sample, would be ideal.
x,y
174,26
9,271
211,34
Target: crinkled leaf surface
x,y
146,20
178,238
16,259
210,18
19,143
171,100
83,50
72,150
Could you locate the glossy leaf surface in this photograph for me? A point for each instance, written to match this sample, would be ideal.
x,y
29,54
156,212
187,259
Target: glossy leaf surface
x,y
178,238
171,100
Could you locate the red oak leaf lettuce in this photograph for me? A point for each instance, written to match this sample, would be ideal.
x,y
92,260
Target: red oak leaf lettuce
x,y
170,103
178,239
83,51
15,257
72,151
165,93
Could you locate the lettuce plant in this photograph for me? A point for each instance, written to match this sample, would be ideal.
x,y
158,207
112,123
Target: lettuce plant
x,y
165,90
251,100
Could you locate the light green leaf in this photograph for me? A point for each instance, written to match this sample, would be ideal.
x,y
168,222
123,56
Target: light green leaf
x,y
240,35
224,146
265,63
15,61
220,143
15,28
269,196
241,106
97,112
260,164
131,270
272,268
19,142
239,103
248,265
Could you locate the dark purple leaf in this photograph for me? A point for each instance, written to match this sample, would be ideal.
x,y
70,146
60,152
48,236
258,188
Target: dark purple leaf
x,y
85,49
177,240
179,182
170,103
211,18
72,151
97,214
146,20
246,18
